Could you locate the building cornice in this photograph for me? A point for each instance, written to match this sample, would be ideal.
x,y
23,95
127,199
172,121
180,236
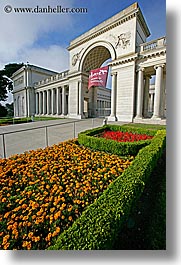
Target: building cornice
x,y
18,72
123,60
35,69
118,19
143,24
153,54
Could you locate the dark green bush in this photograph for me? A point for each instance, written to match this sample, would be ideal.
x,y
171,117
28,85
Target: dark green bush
x,y
99,224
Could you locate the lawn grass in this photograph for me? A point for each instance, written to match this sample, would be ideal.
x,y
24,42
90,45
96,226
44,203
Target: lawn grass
x,y
11,120
145,126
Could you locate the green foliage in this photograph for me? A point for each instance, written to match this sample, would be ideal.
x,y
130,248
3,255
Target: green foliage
x,y
100,223
12,120
3,111
6,84
89,139
145,228
24,120
10,109
145,126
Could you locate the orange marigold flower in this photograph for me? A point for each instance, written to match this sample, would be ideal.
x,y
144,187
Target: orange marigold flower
x,y
48,237
6,246
30,234
70,218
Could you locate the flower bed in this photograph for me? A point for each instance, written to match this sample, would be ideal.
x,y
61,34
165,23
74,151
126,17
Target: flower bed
x,y
124,136
92,139
44,191
99,225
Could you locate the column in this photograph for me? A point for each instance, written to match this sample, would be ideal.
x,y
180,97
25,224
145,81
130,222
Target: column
x,y
163,98
63,100
158,91
151,102
14,107
146,95
103,108
40,102
139,109
48,102
44,103
80,110
113,96
53,101
58,100
37,103
28,102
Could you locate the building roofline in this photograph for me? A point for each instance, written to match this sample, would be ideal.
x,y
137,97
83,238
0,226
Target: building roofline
x,y
33,67
122,16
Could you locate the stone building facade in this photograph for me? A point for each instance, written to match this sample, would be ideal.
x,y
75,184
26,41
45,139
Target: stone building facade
x,y
132,63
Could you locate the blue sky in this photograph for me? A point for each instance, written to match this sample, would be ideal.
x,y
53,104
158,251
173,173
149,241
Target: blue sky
x,y
42,39
100,10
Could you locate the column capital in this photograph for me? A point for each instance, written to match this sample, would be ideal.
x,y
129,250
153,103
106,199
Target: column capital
x,y
80,82
140,69
159,65
114,73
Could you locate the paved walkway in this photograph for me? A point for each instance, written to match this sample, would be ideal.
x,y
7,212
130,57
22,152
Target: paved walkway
x,y
18,138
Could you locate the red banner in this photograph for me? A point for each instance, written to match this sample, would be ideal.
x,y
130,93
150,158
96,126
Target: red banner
x,y
98,77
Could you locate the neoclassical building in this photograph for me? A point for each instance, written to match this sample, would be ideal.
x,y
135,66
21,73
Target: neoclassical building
x,y
134,63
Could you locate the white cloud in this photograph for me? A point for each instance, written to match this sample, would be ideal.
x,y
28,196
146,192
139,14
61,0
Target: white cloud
x,y
53,58
20,32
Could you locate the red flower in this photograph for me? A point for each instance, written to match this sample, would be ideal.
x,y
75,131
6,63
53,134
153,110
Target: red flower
x,y
125,136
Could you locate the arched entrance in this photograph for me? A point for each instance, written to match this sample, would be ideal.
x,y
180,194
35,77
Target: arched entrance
x,y
94,57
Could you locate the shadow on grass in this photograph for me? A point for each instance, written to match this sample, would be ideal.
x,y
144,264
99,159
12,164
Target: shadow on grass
x,y
146,227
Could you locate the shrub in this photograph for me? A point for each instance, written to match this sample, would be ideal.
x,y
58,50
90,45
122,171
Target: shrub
x,y
44,191
89,139
99,224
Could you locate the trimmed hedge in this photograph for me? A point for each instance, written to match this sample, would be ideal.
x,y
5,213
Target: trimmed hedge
x,y
99,224
88,138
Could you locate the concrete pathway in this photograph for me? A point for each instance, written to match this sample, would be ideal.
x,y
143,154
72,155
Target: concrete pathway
x,y
18,138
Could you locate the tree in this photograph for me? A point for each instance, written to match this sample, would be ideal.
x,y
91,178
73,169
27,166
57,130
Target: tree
x,y
10,109
6,84
3,111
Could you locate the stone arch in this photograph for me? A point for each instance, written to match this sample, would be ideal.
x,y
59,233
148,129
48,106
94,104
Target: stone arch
x,y
95,55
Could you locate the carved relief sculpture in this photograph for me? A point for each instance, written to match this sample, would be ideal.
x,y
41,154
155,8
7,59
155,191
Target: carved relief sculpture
x,y
76,57
122,40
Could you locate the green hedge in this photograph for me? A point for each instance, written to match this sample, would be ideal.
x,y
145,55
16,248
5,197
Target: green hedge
x,y
99,224
88,138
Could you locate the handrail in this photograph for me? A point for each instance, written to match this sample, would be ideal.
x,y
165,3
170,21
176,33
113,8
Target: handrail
x,y
41,127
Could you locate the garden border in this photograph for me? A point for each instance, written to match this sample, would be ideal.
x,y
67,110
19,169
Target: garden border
x,y
88,139
99,224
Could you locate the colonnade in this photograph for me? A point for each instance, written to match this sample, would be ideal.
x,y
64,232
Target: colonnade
x,y
149,102
113,96
20,109
52,101
103,108
157,100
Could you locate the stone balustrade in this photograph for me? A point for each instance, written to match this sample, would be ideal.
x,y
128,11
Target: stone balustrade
x,y
154,44
52,78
